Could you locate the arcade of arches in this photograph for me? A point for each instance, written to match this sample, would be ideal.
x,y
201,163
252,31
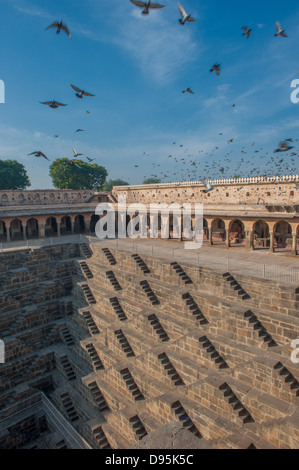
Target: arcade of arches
x,y
264,234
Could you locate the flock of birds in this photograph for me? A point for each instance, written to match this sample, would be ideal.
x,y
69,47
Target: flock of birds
x,y
188,166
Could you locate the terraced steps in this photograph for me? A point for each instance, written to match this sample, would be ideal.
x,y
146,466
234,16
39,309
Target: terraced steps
x,y
92,327
98,396
194,309
88,294
211,351
95,358
69,407
184,418
236,286
236,403
67,368
260,329
179,270
149,292
124,343
138,427
109,256
131,385
170,369
101,438
85,250
157,327
114,282
142,265
67,338
85,269
118,308
288,377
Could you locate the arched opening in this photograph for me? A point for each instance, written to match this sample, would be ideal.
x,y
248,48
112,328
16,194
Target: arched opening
x,y
66,225
16,230
261,235
282,233
32,228
93,222
79,224
236,232
218,232
51,227
3,231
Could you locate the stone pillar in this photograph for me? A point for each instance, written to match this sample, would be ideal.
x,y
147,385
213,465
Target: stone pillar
x,y
42,231
58,229
87,226
294,247
227,242
249,240
24,232
8,233
271,248
210,234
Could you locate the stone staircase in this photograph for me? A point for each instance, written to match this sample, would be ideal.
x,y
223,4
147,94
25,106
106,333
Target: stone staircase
x,y
179,270
157,327
141,264
95,358
88,294
170,369
260,329
149,292
118,309
131,385
194,309
124,343
236,286
98,396
114,282
92,327
211,351
236,404
109,256
184,418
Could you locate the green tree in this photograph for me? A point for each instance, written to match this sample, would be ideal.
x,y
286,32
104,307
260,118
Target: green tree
x,y
13,175
79,175
151,181
108,185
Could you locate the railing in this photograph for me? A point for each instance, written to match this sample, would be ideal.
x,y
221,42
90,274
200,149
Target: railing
x,y
250,180
70,434
195,257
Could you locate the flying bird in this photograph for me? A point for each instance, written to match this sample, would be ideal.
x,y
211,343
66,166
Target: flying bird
x,y
60,26
53,104
246,31
146,6
280,31
188,90
208,186
185,15
71,162
283,147
38,153
76,154
216,67
90,159
80,93
79,130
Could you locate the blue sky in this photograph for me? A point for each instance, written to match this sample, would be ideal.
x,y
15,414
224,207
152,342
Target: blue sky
x,y
138,66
